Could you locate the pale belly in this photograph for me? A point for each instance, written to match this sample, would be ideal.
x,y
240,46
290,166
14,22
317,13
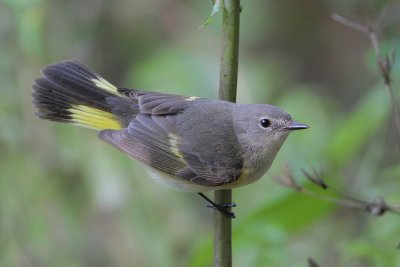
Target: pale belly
x,y
247,177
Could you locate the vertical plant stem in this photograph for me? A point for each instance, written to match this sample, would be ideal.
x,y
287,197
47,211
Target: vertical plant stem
x,y
222,231
227,91
230,50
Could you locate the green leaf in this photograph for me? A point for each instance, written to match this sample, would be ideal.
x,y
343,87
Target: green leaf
x,y
218,5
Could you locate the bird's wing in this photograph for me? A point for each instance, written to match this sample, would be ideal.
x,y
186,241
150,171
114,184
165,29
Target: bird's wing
x,y
149,139
153,140
153,103
209,173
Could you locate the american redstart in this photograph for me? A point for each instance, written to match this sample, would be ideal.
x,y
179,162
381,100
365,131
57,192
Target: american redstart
x,y
189,143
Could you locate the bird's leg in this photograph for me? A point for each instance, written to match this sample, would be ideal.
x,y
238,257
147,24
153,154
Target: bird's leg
x,y
223,208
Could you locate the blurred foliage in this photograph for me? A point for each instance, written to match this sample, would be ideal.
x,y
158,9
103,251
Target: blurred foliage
x,y
67,199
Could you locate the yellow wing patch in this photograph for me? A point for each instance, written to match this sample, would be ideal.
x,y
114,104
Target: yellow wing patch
x,y
93,118
192,98
173,141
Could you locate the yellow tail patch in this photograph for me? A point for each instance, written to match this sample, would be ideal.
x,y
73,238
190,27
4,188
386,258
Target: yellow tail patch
x,y
93,118
105,85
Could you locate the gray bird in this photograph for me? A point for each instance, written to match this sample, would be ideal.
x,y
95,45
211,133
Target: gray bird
x,y
188,143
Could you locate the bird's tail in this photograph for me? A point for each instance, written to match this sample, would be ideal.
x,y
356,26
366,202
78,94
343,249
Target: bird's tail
x,y
70,92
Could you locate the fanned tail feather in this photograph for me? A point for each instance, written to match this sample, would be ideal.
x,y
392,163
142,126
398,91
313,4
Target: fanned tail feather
x,y
70,92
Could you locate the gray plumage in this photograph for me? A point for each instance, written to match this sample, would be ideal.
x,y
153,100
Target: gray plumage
x,y
189,143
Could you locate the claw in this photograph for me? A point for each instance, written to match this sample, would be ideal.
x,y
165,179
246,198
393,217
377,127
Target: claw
x,y
223,208
228,205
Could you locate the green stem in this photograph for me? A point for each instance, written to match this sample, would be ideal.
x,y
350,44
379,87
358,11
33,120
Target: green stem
x,y
227,91
230,50
222,231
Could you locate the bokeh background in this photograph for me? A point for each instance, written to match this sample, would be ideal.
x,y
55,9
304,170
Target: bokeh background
x,y
67,199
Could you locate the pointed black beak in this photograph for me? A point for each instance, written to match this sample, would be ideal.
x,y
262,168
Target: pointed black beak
x,y
296,126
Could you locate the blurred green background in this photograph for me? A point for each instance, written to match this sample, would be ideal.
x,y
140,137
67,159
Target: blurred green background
x,y
67,199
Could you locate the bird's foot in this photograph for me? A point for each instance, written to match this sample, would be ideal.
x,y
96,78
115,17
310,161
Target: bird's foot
x,y
223,208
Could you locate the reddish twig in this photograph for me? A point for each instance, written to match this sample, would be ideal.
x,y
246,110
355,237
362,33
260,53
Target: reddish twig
x,y
384,62
377,207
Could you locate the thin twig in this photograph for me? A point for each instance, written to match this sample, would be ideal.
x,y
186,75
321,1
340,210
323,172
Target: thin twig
x,y
350,24
384,63
377,207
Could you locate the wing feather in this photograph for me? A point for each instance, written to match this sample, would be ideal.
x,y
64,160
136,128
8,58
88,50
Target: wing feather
x,y
152,138
149,142
153,103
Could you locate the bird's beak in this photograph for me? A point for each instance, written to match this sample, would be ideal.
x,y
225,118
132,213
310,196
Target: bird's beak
x,y
294,125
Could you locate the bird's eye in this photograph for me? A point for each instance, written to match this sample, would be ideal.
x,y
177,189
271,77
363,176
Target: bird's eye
x,y
265,123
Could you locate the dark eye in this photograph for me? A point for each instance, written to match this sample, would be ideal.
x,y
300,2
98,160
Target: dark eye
x,y
265,123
